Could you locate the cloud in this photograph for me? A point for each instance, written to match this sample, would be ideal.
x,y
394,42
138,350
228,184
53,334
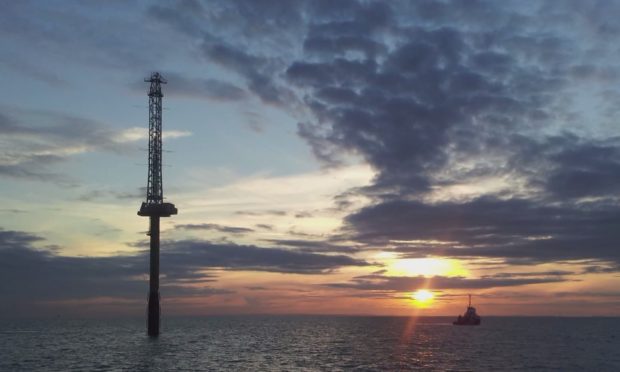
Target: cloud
x,y
32,274
491,227
215,227
111,37
433,95
396,96
264,226
256,68
35,140
406,284
249,257
584,168
28,273
340,45
17,239
440,95
36,72
598,269
12,210
411,114
179,85
273,212
529,274
406,98
312,246
103,194
141,133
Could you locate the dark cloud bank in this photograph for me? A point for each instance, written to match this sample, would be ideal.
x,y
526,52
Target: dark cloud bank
x,y
28,273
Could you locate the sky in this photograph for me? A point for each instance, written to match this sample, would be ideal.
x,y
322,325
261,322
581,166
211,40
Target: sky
x,y
326,157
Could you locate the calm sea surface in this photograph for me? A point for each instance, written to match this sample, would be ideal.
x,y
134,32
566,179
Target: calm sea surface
x,y
312,343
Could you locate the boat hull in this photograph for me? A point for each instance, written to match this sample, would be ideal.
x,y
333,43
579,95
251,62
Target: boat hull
x,y
472,323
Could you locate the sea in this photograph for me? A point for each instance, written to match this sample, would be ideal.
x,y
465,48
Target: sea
x,y
312,343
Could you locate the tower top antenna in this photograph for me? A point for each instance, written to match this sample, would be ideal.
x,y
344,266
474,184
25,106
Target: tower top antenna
x,y
155,91
156,76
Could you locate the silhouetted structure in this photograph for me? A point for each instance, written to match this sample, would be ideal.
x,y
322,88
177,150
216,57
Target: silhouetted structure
x,y
154,206
469,318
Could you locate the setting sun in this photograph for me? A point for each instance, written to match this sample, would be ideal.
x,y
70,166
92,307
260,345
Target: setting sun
x,y
422,296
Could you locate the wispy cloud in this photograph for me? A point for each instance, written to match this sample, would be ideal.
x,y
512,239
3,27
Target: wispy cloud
x,y
215,227
408,284
33,141
141,133
179,85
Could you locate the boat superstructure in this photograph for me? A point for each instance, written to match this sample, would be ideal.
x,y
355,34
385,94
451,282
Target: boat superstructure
x,y
469,318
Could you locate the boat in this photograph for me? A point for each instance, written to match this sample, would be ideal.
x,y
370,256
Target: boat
x,y
469,318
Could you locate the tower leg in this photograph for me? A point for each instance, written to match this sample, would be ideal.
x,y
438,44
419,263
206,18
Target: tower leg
x,y
153,317
153,305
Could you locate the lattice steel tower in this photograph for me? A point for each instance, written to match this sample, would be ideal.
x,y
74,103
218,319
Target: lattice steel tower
x,y
154,206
